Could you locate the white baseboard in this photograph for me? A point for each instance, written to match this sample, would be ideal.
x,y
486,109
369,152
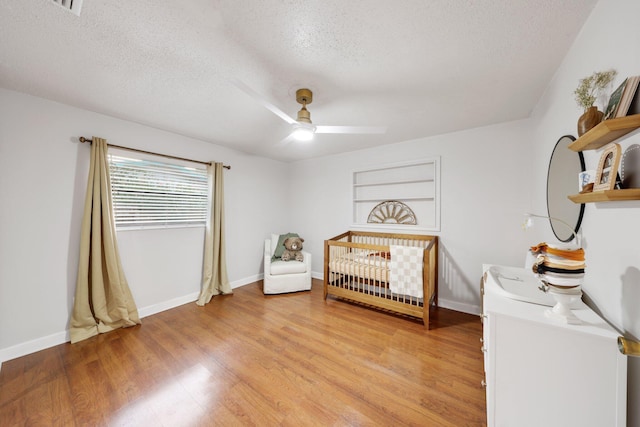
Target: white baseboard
x,y
33,346
58,338
175,302
166,305
247,281
459,306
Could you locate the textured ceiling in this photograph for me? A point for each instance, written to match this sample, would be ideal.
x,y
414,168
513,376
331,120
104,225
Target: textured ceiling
x,y
419,67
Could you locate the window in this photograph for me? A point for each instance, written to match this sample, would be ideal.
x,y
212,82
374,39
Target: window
x,y
149,193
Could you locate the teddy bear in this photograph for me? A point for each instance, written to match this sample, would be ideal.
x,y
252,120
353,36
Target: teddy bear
x,y
293,246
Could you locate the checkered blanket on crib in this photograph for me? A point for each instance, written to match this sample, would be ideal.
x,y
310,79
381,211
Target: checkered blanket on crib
x,y
405,270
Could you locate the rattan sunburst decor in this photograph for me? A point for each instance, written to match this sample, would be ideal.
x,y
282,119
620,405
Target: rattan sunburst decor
x,y
392,212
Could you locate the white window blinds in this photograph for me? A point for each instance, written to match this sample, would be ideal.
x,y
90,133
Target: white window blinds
x,y
152,193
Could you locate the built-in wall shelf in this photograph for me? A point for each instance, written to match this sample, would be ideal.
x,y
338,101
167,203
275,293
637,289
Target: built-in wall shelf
x,y
607,196
415,185
606,132
374,184
404,199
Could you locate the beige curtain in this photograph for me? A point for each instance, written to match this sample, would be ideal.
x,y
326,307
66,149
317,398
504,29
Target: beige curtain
x,y
103,300
214,275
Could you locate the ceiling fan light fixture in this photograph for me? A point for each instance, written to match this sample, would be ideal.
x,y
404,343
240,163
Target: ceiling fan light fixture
x,y
303,132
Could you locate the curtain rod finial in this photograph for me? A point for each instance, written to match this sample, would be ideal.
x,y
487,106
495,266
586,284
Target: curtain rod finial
x,y
83,139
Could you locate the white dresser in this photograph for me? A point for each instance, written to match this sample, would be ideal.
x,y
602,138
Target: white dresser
x,y
539,372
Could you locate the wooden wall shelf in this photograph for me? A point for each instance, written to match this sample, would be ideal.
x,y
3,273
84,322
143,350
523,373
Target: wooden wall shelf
x,y
607,196
606,132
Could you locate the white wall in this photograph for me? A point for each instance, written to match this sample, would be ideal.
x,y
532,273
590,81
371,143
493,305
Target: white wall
x,y
609,39
43,176
484,193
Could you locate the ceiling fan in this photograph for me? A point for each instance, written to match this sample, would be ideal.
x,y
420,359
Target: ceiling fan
x,y
302,127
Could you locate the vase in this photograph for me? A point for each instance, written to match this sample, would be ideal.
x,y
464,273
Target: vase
x,y
591,117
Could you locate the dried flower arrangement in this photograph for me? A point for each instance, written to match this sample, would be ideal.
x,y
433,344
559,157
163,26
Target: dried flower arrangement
x,y
590,88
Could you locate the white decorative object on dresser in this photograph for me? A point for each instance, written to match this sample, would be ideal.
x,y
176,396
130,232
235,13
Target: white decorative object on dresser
x,y
541,372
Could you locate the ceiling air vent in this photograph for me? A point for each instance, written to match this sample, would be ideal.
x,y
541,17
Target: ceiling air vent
x,y
70,5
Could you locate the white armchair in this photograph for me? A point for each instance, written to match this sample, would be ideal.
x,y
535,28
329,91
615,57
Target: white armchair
x,y
285,276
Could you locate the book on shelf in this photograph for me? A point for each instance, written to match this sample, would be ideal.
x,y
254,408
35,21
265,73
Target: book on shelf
x,y
630,92
614,101
634,108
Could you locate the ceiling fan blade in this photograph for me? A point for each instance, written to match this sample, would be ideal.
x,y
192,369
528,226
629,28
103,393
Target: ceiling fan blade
x,y
255,95
352,129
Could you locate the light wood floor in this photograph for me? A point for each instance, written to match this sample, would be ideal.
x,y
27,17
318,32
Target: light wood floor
x,y
247,359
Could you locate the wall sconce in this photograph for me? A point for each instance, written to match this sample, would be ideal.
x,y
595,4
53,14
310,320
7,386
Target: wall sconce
x,y
528,223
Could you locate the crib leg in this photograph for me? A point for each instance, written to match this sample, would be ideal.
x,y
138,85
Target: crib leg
x,y
326,268
425,315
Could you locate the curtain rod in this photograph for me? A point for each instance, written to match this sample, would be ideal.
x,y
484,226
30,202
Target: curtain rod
x,y
89,140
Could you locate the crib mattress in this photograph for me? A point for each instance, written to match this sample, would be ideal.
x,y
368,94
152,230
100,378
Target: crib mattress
x,y
370,266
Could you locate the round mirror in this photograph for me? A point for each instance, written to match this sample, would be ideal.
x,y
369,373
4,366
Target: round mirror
x,y
562,180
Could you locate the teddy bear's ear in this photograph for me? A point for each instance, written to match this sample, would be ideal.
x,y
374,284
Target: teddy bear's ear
x,y
301,239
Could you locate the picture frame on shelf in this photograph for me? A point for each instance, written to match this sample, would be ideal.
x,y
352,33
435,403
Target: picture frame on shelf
x,y
607,168
614,101
585,178
628,96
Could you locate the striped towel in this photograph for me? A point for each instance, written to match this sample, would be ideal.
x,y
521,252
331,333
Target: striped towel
x,y
405,270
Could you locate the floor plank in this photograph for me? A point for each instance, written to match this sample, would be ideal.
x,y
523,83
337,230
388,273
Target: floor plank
x,y
251,359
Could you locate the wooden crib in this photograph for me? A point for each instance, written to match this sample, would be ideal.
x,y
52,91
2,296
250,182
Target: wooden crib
x,y
356,267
